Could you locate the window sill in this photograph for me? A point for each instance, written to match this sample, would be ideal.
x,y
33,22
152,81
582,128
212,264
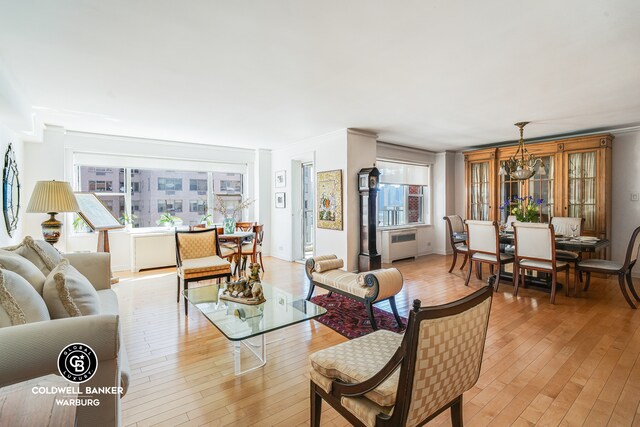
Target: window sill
x,y
401,227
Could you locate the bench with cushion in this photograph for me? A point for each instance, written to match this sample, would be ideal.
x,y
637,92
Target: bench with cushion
x,y
369,287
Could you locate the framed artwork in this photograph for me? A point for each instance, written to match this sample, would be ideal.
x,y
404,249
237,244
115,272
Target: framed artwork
x,y
330,200
281,179
281,201
10,191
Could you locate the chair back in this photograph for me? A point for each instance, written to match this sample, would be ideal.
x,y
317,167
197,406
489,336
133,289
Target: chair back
x,y
257,236
456,225
534,241
633,249
441,355
562,225
196,244
245,226
483,237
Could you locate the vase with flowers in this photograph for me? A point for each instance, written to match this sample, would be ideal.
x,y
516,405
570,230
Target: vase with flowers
x,y
230,213
525,209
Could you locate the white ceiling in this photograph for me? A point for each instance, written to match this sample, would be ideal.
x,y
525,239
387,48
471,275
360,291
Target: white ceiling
x,y
434,74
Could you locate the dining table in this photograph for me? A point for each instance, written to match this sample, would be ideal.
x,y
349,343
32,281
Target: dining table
x,y
579,244
238,238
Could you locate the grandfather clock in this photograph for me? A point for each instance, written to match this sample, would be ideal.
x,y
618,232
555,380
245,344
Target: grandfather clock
x,y
369,258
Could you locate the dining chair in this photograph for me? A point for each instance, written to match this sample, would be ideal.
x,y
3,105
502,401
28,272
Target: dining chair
x,y
198,258
456,225
254,248
483,239
621,270
390,379
245,226
536,250
562,225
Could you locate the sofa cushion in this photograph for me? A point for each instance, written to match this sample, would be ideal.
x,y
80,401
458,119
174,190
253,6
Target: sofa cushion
x,y
358,360
19,301
13,262
40,253
68,293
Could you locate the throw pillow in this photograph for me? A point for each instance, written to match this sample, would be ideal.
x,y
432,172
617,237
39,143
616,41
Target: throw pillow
x,y
68,293
329,264
25,268
19,302
40,253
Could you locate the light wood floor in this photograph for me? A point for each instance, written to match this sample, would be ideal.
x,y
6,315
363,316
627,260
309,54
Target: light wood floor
x,y
573,363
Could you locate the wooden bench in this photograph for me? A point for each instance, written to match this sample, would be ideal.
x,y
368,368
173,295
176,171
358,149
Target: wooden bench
x,y
369,288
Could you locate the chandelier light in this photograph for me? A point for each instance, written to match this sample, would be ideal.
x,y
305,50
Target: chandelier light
x,y
521,165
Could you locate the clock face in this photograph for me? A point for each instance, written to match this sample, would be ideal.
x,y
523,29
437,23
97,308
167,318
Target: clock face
x,y
373,182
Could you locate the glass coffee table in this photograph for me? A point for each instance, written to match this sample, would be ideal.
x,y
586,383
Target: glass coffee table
x,y
247,324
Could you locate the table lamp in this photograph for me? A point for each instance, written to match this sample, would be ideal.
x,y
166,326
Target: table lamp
x,y
52,197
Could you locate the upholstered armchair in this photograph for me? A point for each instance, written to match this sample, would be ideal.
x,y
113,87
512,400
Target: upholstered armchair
x,y
388,379
198,258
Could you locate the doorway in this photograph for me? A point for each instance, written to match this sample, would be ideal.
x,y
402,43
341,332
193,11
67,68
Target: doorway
x,y
308,232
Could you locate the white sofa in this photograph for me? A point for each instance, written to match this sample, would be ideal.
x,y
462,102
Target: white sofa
x,y
31,350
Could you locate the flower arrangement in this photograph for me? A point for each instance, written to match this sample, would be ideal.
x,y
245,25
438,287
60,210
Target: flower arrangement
x,y
223,210
525,209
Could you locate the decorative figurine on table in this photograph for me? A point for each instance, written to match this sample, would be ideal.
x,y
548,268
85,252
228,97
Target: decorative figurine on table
x,y
246,291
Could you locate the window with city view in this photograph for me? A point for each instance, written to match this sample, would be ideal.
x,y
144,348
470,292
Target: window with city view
x,y
187,195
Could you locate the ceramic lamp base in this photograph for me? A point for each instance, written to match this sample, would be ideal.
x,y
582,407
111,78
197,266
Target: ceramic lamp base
x,y
51,228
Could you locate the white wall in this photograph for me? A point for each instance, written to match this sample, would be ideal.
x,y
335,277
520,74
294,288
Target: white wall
x,y
53,159
626,180
8,137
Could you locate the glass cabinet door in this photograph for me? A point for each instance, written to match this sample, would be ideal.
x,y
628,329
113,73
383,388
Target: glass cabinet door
x,y
509,188
582,187
480,191
541,186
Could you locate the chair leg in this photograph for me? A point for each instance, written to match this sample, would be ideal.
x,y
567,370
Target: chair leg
x,y
456,413
566,281
178,300
587,281
261,262
464,261
554,277
372,319
516,279
316,407
466,282
499,267
392,303
631,288
453,262
478,270
623,288
491,269
186,303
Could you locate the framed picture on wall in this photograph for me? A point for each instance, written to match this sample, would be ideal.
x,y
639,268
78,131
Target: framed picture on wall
x,y
329,191
281,179
281,202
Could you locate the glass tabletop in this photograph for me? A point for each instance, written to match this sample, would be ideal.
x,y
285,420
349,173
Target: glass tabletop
x,y
241,321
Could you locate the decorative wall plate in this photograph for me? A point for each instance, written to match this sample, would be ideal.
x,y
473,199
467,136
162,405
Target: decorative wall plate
x,y
10,191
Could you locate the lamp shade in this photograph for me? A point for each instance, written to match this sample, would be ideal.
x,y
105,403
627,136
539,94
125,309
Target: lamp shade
x,y
53,196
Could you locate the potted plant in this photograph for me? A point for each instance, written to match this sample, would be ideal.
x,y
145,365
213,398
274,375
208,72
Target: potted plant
x,y
168,220
127,219
230,214
525,209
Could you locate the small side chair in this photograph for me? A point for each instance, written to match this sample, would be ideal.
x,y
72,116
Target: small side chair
x,y
456,225
483,239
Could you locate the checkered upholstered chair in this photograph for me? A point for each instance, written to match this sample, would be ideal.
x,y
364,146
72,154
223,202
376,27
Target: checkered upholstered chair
x,y
388,379
456,225
198,258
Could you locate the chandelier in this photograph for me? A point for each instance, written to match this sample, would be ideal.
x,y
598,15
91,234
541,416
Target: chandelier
x,y
521,165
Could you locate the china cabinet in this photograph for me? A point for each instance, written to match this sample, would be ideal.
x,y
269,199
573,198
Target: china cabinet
x,y
573,180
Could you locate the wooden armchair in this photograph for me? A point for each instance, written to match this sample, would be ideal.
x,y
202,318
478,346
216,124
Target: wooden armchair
x,y
388,379
198,258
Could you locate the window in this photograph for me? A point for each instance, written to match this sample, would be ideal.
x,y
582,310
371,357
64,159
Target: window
x,y
170,206
169,184
198,185
107,183
403,198
153,192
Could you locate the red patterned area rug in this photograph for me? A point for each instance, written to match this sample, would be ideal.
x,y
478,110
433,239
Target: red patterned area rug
x,y
350,319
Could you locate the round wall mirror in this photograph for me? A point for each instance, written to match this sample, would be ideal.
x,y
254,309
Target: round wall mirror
x,y
10,191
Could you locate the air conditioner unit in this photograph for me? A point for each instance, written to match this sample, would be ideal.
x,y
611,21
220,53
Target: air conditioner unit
x,y
399,244
152,250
